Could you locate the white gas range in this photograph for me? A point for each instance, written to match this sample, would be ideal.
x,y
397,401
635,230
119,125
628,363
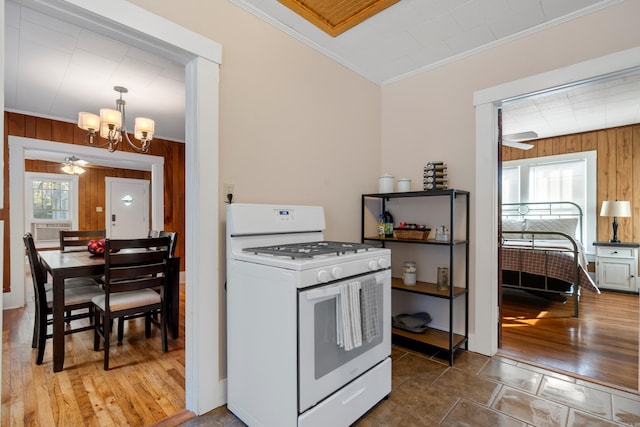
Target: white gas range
x,y
308,321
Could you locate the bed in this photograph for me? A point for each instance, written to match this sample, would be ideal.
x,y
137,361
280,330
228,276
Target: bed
x,y
542,251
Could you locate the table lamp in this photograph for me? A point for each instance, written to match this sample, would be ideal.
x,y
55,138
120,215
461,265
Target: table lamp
x,y
615,209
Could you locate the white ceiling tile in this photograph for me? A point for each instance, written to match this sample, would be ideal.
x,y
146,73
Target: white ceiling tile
x,y
436,8
433,30
102,46
431,53
470,39
399,15
47,22
100,65
11,15
516,21
554,8
476,12
43,36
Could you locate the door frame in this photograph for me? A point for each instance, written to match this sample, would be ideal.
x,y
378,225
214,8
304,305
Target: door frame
x,y
22,148
109,181
205,379
486,103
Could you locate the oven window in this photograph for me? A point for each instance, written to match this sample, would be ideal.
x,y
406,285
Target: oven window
x,y
328,355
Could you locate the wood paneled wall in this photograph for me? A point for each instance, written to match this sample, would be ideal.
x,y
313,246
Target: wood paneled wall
x,y
618,169
91,189
92,184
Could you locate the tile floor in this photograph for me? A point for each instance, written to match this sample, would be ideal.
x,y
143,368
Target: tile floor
x,y
482,391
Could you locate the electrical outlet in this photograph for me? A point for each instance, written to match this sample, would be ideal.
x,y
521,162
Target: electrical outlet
x,y
228,192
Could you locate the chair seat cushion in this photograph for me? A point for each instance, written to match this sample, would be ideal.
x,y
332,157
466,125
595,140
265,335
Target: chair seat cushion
x,y
127,300
79,281
77,295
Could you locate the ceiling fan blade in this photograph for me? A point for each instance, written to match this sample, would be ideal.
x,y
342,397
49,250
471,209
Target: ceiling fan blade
x,y
520,145
520,136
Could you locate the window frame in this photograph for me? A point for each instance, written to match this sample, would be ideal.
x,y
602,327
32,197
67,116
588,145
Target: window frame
x,y
589,211
28,201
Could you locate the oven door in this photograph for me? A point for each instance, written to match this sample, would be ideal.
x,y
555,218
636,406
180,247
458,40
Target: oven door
x,y
323,365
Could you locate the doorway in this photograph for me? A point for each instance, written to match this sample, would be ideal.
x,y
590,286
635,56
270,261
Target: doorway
x,y
576,330
201,57
484,295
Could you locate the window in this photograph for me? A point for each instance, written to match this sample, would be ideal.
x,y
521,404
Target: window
x,y
511,184
51,198
560,178
51,205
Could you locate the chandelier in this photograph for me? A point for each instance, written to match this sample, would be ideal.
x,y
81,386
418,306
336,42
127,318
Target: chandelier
x,y
112,127
73,166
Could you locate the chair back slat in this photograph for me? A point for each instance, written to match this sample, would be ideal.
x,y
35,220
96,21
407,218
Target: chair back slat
x,y
134,264
129,259
126,272
135,284
74,239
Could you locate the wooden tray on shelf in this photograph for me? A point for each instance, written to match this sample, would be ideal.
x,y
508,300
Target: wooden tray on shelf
x,y
409,234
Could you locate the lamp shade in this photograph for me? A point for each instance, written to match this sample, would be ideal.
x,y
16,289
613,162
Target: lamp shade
x,y
144,128
110,116
88,121
616,208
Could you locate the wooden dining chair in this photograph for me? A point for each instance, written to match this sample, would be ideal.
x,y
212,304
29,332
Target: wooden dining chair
x,y
79,239
134,269
173,235
74,299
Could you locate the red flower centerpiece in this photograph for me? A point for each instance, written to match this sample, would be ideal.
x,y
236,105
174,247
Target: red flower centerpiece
x,y
96,247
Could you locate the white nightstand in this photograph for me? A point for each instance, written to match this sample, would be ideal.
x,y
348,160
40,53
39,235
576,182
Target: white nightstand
x,y
617,266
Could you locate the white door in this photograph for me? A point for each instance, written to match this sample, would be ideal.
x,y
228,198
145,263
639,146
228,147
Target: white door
x,y
127,203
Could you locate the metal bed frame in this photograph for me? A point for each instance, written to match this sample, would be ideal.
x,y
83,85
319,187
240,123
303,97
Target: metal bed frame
x,y
545,210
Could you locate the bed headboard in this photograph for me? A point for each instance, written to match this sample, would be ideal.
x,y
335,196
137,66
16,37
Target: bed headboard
x,y
542,211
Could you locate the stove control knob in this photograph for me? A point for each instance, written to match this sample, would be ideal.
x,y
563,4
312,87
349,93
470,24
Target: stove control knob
x,y
323,276
373,265
383,263
336,272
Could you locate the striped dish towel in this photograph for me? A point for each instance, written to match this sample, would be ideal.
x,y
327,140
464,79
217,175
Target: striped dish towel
x,y
369,309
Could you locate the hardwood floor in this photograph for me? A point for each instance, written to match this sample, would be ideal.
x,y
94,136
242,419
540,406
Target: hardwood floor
x,y
143,386
601,345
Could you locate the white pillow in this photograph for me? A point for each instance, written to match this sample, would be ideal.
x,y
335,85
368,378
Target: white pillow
x,y
559,225
512,225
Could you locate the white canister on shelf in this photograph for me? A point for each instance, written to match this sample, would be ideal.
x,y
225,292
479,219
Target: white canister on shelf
x,y
404,185
385,183
409,273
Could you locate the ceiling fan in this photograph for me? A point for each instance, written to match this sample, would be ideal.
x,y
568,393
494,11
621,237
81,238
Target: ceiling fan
x,y
516,140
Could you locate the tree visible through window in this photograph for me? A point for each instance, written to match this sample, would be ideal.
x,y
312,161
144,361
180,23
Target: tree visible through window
x,y
51,199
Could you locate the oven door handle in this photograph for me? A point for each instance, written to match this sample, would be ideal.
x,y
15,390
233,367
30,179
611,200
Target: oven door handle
x,y
331,291
322,293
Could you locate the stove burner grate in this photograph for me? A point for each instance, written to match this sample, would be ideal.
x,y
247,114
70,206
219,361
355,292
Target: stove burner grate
x,y
310,249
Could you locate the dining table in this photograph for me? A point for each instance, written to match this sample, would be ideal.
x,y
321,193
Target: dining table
x,y
63,265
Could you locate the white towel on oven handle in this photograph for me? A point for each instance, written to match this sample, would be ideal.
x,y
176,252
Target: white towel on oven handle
x,y
356,319
348,324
